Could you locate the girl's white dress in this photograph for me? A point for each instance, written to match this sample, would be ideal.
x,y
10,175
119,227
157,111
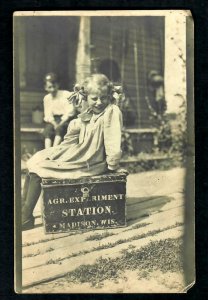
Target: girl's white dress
x,y
91,146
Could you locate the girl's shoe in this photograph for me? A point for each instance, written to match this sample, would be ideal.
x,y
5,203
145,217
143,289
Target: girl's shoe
x,y
29,224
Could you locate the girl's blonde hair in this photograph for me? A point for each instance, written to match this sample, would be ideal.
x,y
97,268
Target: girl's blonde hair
x,y
81,91
97,79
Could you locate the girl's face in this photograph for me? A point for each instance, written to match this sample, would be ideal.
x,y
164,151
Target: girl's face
x,y
51,88
98,98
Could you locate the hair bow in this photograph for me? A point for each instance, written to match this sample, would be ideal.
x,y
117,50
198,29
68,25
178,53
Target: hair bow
x,y
78,96
118,95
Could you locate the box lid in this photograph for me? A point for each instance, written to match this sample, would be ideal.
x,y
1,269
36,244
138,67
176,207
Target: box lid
x,y
110,177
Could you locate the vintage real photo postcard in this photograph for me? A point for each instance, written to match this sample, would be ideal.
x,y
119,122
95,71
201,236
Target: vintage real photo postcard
x,y
104,151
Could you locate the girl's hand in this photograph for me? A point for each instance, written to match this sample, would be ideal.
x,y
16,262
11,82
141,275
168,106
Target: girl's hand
x,y
122,170
55,125
119,170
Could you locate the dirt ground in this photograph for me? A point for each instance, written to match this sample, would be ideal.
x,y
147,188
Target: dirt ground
x,y
157,282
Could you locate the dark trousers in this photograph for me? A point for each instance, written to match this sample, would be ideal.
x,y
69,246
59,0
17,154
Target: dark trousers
x,y
50,132
31,193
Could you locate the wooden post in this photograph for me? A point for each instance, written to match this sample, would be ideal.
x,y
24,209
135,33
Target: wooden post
x,y
136,70
175,61
83,60
21,30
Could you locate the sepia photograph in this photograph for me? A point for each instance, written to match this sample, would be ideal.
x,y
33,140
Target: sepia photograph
x,y
104,151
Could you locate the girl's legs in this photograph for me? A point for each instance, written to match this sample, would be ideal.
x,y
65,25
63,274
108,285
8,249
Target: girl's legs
x,y
48,134
32,195
25,188
48,143
57,140
60,131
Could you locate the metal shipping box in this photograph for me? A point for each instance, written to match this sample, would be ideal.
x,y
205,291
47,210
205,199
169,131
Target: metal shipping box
x,y
95,202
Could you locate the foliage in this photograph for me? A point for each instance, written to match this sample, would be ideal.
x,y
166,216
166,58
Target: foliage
x,y
179,132
171,137
98,237
113,244
170,141
159,162
164,136
127,144
164,255
161,122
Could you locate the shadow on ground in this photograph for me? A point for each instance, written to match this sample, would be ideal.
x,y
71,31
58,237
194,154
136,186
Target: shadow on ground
x,y
141,208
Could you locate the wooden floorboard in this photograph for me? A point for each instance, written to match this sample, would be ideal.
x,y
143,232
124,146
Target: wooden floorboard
x,y
157,221
69,248
45,273
151,211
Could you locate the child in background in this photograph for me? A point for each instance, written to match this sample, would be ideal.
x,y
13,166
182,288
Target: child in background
x,y
92,145
57,111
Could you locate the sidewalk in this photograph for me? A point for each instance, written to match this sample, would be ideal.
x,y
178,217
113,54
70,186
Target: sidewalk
x,y
154,213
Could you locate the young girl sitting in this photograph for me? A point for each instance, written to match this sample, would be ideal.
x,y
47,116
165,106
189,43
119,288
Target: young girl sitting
x,y
57,111
92,145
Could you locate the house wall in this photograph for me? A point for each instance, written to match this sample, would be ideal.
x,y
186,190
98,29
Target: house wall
x,y
136,44
48,44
